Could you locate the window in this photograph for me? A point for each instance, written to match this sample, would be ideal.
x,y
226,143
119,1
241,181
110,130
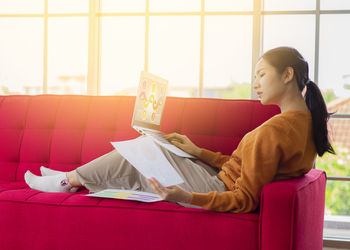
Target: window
x,y
179,41
122,6
21,60
174,6
227,56
67,6
334,80
301,5
122,54
228,5
291,30
67,55
48,51
21,6
335,5
174,51
334,72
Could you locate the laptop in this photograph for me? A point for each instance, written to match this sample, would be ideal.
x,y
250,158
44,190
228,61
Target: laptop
x,y
148,111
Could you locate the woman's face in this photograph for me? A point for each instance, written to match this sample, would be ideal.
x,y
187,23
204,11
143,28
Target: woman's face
x,y
268,83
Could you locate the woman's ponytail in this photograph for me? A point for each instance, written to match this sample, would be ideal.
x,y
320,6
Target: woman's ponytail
x,y
320,117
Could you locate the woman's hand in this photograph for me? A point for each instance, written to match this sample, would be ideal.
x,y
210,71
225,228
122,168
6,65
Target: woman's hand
x,y
182,142
171,193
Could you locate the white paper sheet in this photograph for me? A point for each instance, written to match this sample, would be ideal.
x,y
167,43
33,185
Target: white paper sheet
x,y
148,159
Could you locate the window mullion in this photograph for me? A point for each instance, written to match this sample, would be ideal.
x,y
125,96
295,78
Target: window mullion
x,y
317,41
93,78
45,47
257,40
201,55
147,14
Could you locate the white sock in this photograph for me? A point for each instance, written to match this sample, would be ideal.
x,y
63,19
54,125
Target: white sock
x,y
47,172
53,183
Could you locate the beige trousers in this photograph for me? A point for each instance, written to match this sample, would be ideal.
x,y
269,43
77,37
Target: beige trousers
x,y
113,171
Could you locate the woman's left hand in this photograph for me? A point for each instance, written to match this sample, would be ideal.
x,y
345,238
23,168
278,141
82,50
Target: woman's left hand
x,y
171,193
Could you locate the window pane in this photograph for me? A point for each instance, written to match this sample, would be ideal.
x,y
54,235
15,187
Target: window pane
x,y
340,128
67,55
21,60
334,70
21,6
123,6
289,5
174,52
122,54
335,4
334,81
297,31
228,56
228,5
174,6
337,209
68,6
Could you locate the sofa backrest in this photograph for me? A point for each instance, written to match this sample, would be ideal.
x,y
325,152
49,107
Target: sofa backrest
x,y
64,132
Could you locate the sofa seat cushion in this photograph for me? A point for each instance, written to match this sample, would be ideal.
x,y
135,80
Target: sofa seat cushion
x,y
163,221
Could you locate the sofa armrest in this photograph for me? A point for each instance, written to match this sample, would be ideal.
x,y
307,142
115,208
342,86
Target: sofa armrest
x,y
292,213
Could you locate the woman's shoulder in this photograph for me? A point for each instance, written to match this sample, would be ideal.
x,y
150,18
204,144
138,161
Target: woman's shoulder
x,y
287,124
289,118
283,125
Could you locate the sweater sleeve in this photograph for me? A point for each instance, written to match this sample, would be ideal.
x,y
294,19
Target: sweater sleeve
x,y
215,159
261,154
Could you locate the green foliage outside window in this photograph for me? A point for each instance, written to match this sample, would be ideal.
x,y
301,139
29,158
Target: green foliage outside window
x,y
337,192
238,91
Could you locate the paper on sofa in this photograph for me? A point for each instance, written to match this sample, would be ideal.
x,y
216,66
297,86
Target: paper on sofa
x,y
127,195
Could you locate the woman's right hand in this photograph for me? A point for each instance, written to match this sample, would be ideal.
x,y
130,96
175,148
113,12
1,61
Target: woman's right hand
x,y
182,142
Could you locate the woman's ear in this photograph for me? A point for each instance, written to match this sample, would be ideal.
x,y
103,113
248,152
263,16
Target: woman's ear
x,y
288,75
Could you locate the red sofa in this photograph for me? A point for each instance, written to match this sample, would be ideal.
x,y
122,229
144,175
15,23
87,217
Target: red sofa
x,y
64,132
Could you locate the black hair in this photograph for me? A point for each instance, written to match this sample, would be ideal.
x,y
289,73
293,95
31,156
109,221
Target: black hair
x,y
281,58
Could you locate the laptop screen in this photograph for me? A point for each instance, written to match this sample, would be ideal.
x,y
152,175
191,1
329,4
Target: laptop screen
x,y
150,101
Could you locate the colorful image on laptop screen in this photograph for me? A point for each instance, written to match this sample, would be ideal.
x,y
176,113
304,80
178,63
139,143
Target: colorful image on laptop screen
x,y
150,99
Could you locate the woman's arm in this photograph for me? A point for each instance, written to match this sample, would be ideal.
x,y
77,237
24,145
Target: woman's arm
x,y
182,142
215,159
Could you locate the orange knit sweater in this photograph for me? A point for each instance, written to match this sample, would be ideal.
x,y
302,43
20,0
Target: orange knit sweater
x,y
280,148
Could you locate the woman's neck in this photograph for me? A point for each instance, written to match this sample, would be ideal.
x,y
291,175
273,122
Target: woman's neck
x,y
293,102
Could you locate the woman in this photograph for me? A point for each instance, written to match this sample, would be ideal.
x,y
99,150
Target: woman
x,y
283,147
